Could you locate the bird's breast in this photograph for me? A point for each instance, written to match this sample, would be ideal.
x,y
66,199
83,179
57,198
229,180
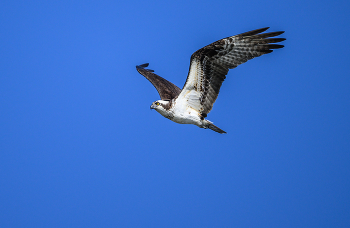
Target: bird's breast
x,y
185,116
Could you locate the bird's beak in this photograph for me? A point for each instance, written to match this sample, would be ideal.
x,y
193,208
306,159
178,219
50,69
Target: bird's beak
x,y
153,106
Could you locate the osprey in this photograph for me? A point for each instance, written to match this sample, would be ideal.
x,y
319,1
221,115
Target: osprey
x,y
208,69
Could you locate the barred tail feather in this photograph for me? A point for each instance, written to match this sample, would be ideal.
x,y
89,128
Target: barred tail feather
x,y
215,128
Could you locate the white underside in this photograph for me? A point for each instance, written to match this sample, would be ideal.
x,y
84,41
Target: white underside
x,y
190,116
186,108
183,114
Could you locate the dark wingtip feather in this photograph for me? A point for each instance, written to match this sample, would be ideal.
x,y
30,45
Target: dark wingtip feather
x,y
142,66
275,33
275,40
275,46
254,32
267,51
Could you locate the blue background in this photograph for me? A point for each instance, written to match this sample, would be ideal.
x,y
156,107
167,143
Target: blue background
x,y
79,146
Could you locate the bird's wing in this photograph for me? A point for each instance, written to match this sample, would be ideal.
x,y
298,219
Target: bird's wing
x,y
166,89
210,64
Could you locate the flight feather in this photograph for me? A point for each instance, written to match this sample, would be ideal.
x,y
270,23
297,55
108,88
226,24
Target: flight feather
x,y
166,89
210,64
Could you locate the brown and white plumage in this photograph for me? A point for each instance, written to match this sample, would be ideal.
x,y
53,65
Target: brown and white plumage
x,y
208,69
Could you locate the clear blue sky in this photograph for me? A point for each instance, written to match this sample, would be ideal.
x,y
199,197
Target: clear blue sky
x,y
79,146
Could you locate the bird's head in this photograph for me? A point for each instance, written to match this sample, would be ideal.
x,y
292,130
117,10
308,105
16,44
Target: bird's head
x,y
160,105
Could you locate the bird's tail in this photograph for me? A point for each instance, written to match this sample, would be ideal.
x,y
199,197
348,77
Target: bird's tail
x,y
211,126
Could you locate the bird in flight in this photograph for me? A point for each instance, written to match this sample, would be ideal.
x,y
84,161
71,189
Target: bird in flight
x,y
208,69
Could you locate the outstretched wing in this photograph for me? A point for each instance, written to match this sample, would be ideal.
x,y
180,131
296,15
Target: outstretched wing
x,y
166,89
209,65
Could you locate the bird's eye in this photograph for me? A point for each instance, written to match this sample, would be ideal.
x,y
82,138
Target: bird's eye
x,y
157,103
